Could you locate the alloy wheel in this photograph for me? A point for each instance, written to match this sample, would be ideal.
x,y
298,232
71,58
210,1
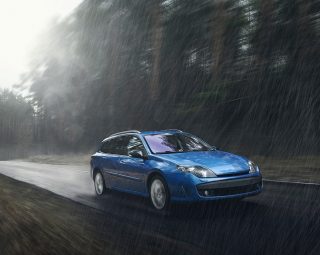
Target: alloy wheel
x,y
158,194
99,184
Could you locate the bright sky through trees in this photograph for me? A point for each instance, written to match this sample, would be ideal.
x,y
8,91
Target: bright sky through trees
x,y
21,22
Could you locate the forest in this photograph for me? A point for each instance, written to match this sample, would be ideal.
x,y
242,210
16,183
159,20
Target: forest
x,y
244,75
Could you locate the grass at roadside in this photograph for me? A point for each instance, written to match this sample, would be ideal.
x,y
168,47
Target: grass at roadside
x,y
35,221
295,169
67,159
300,169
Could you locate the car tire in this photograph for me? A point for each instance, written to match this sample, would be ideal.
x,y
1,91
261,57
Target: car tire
x,y
99,184
159,194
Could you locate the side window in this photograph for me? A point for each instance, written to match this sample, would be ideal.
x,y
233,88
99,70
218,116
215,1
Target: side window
x,y
117,145
135,143
107,146
122,145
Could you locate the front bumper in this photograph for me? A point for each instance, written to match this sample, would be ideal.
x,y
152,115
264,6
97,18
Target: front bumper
x,y
215,189
230,187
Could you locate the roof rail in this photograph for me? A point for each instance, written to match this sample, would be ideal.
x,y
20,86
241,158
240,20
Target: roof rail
x,y
126,132
177,130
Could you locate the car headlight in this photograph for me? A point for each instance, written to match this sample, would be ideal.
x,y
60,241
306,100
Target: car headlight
x,y
253,168
197,171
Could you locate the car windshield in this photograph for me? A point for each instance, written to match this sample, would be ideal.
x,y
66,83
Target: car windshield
x,y
175,143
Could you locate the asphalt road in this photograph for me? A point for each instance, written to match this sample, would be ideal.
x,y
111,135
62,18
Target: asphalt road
x,y
284,219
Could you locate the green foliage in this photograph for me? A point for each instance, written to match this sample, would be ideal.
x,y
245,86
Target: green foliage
x,y
246,65
16,122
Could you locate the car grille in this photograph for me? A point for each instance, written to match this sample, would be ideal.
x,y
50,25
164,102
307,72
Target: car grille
x,y
229,190
233,174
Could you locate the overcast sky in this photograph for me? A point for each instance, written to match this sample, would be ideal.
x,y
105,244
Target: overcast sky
x,y
21,21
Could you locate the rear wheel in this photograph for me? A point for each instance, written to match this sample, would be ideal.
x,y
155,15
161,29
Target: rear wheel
x,y
99,184
159,193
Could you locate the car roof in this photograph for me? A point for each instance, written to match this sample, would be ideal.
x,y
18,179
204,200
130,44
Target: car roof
x,y
130,132
166,131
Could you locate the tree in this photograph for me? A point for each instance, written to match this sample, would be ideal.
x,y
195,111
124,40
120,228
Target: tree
x,y
16,125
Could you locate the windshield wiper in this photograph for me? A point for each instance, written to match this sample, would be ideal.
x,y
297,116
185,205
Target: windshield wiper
x,y
166,152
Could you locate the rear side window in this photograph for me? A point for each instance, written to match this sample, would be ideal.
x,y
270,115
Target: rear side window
x,y
107,147
117,145
122,145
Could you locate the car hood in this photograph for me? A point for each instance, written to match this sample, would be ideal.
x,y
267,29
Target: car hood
x,y
219,162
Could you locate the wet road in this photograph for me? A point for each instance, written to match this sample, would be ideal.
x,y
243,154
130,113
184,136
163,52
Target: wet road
x,y
284,219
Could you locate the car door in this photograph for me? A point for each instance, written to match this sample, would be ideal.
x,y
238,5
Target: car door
x,y
133,170
120,178
109,161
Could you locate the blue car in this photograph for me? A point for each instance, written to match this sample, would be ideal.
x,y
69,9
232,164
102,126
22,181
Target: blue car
x,y
171,166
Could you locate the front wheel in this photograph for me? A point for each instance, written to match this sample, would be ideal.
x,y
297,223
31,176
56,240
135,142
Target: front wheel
x,y
159,193
99,185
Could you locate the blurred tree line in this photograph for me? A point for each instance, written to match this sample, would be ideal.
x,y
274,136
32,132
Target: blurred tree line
x,y
242,74
16,125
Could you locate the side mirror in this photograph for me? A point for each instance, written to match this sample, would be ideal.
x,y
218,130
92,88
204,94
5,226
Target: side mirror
x,y
137,154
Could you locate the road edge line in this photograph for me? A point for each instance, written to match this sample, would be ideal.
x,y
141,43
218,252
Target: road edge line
x,y
292,183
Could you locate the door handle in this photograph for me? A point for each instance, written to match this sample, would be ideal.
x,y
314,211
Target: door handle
x,y
130,160
122,161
